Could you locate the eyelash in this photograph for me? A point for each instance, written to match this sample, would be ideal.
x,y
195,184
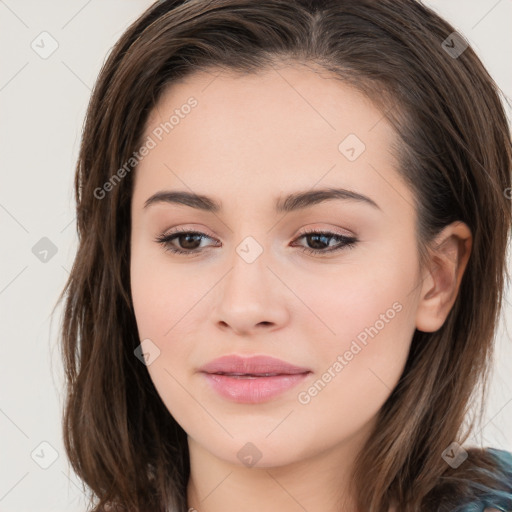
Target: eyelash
x,y
346,242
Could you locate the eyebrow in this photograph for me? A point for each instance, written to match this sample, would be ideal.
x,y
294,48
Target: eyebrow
x,y
292,202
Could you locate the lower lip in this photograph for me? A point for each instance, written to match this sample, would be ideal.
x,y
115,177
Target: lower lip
x,y
252,390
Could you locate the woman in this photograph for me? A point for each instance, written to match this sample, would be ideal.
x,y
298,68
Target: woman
x,y
293,220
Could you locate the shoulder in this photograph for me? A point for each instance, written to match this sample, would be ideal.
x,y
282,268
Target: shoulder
x,y
503,459
481,483
490,482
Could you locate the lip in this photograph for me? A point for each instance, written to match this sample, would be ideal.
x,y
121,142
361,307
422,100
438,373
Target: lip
x,y
252,379
254,365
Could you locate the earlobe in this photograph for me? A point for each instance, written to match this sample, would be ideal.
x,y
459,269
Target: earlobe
x,y
449,257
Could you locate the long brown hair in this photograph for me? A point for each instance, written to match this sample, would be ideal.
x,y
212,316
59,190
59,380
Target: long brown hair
x,y
455,153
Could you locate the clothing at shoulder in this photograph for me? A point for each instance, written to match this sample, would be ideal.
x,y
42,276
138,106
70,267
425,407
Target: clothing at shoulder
x,y
494,500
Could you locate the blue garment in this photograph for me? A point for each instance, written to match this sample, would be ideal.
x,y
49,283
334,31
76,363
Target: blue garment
x,y
492,498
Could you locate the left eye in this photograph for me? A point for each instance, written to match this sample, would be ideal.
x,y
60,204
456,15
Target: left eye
x,y
319,239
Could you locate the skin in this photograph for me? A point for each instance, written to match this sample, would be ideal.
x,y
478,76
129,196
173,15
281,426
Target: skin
x,y
251,140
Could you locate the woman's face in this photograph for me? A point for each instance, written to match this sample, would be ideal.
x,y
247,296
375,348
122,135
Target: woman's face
x,y
266,149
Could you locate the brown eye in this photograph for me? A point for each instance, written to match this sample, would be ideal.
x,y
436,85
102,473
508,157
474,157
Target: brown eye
x,y
189,242
320,242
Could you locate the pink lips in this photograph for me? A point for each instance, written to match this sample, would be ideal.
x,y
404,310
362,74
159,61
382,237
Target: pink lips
x,y
252,380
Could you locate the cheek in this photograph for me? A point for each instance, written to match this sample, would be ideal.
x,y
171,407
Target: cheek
x,y
363,327
163,294
361,364
364,301
168,304
149,302
160,304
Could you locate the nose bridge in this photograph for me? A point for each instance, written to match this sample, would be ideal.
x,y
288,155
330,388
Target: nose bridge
x,y
248,263
248,297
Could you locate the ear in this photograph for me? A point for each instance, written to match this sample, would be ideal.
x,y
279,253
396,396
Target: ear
x,y
449,256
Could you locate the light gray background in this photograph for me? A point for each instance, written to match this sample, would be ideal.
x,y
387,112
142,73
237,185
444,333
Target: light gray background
x,y
43,104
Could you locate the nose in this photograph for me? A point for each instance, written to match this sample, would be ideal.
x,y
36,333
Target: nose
x,y
250,297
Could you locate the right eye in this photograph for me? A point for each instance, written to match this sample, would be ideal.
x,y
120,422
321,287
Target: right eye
x,y
187,239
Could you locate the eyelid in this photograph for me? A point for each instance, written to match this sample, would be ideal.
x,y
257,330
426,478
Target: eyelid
x,y
187,229
308,229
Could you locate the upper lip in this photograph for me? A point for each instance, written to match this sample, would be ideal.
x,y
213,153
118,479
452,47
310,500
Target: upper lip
x,y
253,365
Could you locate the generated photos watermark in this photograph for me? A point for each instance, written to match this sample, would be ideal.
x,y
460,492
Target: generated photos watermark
x,y
305,397
150,143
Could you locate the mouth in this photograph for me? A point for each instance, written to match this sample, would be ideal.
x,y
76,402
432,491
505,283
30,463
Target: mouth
x,y
253,375
252,380
256,366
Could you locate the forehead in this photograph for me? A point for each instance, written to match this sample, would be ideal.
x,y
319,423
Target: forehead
x,y
266,102
282,128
